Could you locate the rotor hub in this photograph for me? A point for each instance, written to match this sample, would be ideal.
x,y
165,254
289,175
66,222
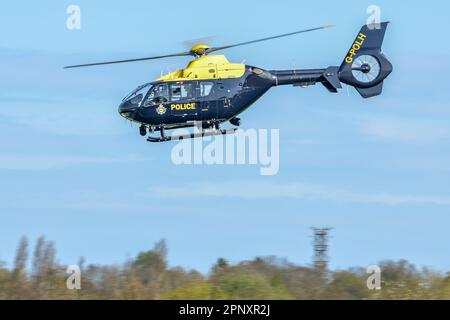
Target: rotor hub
x,y
199,49
365,68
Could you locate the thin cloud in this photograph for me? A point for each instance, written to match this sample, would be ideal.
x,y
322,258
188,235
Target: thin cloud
x,y
47,162
260,191
307,142
406,130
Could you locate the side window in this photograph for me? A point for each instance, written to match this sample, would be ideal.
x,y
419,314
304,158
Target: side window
x,y
205,88
181,91
158,94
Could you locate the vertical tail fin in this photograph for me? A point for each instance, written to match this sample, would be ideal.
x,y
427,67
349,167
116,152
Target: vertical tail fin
x,y
365,67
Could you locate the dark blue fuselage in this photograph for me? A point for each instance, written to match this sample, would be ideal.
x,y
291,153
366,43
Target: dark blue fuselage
x,y
226,99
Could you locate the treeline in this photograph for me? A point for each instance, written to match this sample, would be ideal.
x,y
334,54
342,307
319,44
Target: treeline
x,y
148,276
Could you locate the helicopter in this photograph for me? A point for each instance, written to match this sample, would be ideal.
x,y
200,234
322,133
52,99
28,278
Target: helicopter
x,y
211,90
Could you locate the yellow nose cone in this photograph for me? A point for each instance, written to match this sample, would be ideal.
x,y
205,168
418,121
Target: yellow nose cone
x,y
199,49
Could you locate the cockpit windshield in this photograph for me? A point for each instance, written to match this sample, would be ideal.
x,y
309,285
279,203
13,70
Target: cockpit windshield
x,y
138,91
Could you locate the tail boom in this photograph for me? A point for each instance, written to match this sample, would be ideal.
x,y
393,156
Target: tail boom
x,y
303,78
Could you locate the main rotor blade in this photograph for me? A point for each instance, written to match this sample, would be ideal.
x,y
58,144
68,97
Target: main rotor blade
x,y
268,38
189,53
129,60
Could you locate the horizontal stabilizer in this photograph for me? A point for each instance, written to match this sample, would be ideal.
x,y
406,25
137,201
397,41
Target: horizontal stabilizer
x,y
331,79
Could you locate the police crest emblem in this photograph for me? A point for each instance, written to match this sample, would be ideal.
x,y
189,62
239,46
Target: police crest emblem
x,y
161,110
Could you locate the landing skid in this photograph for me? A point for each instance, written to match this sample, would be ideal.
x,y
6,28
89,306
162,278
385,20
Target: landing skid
x,y
205,133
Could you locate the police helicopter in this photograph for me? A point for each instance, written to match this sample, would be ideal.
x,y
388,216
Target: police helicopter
x,y
211,90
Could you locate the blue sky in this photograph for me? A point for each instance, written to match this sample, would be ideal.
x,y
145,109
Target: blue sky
x,y
377,171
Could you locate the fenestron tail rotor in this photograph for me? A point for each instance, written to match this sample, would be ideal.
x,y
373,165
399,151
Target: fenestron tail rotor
x,y
366,68
199,50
